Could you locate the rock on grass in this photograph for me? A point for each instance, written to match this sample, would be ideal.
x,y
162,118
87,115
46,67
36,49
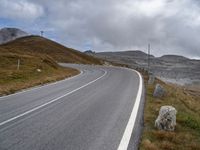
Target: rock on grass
x,y
166,119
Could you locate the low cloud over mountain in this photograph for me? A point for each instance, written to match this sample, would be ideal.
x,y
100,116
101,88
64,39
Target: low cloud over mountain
x,y
9,34
171,26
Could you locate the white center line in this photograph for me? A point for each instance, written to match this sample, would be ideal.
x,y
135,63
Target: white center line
x,y
54,100
40,86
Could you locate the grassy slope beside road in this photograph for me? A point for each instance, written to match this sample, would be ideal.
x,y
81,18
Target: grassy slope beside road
x,y
12,80
187,133
36,45
36,53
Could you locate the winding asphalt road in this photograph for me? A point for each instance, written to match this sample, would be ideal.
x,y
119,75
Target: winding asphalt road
x,y
95,110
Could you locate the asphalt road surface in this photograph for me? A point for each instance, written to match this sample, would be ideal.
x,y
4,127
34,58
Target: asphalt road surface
x,y
95,110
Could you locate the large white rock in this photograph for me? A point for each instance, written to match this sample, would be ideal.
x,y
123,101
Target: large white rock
x,y
166,119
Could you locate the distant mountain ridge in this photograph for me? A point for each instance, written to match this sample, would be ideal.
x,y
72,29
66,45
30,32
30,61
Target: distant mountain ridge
x,y
9,34
175,68
135,53
173,58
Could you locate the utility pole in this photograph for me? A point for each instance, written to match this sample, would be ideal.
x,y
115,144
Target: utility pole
x,y
148,59
41,32
18,64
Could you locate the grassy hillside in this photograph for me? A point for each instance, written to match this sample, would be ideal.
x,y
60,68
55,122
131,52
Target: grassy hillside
x,y
36,45
38,57
187,133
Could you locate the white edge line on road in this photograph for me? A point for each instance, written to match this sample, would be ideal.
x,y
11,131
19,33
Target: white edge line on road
x,y
54,100
41,86
129,127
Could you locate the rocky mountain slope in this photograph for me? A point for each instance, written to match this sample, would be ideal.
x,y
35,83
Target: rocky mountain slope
x,y
9,34
171,68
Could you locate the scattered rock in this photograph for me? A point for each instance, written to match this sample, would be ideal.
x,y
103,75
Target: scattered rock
x,y
39,70
107,63
159,91
166,119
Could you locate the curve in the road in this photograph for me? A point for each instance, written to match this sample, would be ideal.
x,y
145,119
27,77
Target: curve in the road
x,y
51,101
89,111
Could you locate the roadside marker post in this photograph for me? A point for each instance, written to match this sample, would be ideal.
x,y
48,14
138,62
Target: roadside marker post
x,y
18,64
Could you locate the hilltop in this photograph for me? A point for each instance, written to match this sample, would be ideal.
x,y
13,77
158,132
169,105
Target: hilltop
x,y
38,58
36,45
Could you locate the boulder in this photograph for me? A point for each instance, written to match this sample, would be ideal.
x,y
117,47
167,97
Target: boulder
x,y
39,70
159,91
166,119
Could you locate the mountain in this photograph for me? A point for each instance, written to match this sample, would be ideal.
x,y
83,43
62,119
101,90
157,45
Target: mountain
x,y
171,68
135,58
173,58
38,59
9,34
39,46
89,52
132,54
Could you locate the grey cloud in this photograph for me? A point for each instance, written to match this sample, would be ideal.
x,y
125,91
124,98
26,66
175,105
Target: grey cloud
x,y
20,9
170,26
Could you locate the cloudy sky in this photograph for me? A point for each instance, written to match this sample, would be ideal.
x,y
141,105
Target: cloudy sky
x,y
171,26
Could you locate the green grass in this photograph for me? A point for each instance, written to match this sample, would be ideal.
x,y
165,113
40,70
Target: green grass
x,y
187,133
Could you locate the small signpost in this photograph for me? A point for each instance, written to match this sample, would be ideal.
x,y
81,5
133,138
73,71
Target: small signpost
x,y
18,64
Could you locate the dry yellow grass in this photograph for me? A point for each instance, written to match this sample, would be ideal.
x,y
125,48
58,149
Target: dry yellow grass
x,y
35,53
187,133
37,46
12,80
